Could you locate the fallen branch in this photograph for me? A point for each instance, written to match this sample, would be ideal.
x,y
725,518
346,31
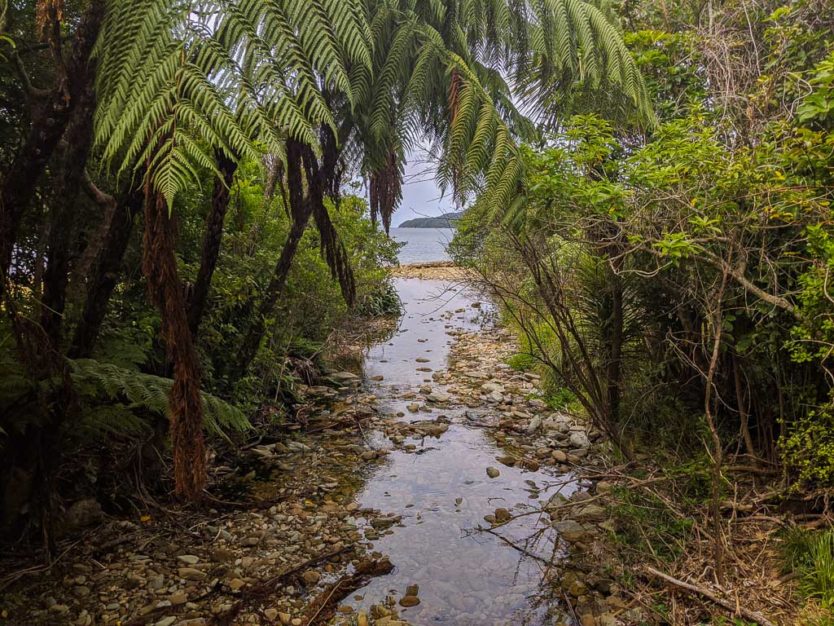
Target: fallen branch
x,y
324,605
706,593
265,588
524,551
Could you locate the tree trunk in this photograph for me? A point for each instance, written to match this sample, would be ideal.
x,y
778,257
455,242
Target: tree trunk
x,y
49,120
105,274
743,412
615,350
211,240
301,209
256,331
78,139
159,265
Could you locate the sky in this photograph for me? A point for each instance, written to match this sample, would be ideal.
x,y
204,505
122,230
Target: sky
x,y
421,195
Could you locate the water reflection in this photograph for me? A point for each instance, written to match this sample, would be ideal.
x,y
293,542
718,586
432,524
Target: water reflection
x,y
442,490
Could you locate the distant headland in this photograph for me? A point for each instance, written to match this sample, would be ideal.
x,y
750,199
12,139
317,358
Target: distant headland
x,y
447,220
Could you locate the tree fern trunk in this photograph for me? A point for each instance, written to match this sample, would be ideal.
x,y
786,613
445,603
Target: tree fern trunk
x,y
211,240
159,265
49,120
300,209
105,274
276,286
78,139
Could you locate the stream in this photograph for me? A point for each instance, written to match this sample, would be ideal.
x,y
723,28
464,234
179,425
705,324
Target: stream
x,y
440,487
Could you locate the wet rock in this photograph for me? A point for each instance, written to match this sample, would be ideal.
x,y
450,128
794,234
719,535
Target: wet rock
x,y
531,465
438,397
493,472
343,379
571,530
502,515
408,601
506,459
495,397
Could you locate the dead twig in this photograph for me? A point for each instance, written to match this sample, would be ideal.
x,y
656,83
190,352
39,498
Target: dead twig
x,y
524,551
733,607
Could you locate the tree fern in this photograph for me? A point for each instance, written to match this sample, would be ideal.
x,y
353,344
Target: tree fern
x,y
179,80
127,389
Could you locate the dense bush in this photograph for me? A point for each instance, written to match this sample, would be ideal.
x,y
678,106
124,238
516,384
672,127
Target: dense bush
x,y
676,281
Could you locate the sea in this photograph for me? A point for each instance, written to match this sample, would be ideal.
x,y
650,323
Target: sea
x,y
423,245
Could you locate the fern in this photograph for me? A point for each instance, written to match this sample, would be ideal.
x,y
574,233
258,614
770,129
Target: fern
x,y
177,80
131,390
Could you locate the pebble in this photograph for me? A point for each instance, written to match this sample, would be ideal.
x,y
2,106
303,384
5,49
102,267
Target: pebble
x,y
493,472
180,597
189,558
189,573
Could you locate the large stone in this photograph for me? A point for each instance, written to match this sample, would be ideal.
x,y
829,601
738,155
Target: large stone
x,y
590,513
557,423
83,513
570,530
190,573
578,439
190,559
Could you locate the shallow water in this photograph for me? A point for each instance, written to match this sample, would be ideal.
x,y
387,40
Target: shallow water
x,y
443,492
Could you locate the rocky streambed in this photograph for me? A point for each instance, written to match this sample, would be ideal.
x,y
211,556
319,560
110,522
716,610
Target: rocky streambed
x,y
435,488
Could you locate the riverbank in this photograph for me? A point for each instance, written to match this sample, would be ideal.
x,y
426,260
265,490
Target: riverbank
x,y
433,270
437,485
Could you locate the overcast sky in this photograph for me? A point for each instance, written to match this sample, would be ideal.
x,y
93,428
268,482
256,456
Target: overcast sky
x,y
421,195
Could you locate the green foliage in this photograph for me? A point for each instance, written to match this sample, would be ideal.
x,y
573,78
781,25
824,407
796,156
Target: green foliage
x,y
131,390
808,446
385,302
734,183
646,524
818,106
521,361
811,555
